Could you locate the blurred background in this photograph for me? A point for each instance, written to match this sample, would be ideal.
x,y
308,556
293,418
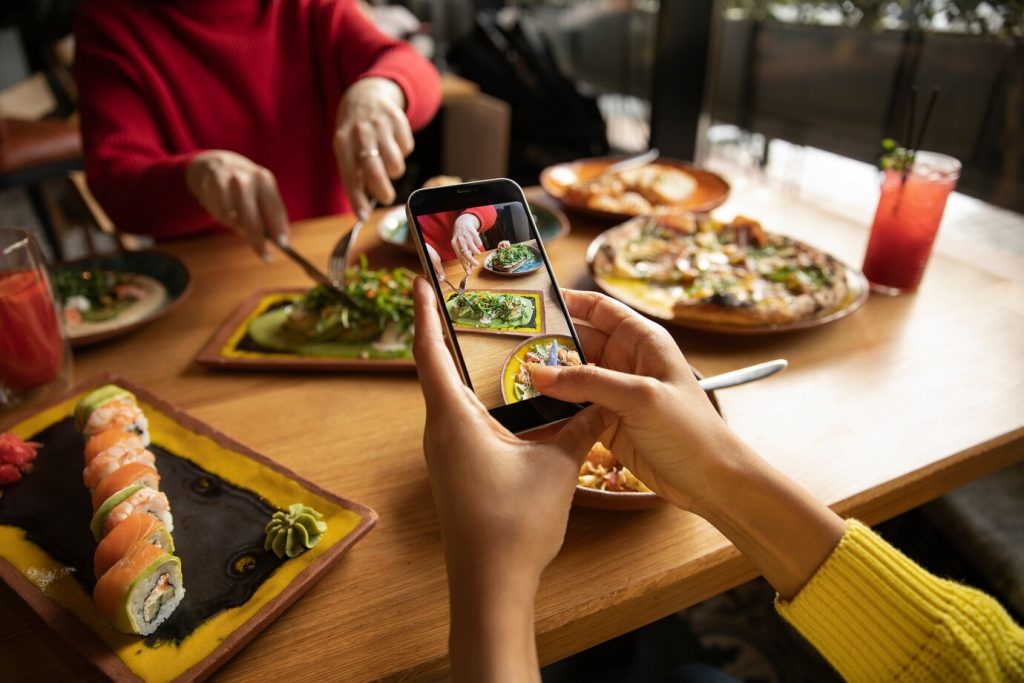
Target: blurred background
x,y
770,92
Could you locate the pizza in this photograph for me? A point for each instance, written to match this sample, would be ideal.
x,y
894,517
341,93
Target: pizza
x,y
649,189
731,273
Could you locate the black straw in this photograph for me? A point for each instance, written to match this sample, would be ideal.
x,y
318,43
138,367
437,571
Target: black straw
x,y
924,124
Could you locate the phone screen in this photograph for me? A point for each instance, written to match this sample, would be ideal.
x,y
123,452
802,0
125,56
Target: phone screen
x,y
510,314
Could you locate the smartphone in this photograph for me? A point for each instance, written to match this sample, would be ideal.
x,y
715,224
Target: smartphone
x,y
511,313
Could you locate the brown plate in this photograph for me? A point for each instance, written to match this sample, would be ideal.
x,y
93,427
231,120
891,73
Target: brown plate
x,y
596,499
539,312
228,349
222,494
712,190
165,269
631,294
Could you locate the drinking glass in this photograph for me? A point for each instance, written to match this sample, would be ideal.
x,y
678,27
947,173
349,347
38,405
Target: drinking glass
x,y
906,222
35,358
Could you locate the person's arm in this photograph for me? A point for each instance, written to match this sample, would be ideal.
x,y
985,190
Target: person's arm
x,y
480,475
383,90
874,614
487,215
137,181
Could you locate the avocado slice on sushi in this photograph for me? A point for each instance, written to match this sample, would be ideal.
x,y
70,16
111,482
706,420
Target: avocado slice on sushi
x,y
108,506
141,590
97,397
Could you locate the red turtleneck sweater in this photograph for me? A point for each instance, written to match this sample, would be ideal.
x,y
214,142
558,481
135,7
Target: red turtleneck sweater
x,y
160,81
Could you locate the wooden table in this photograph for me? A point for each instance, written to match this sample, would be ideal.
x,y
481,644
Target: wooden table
x,y
880,412
485,352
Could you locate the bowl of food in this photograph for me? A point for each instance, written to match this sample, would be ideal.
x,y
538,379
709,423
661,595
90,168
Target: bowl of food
x,y
541,349
606,484
107,296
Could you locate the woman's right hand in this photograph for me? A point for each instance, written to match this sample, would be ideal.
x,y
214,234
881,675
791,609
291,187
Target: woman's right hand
x,y
240,194
665,430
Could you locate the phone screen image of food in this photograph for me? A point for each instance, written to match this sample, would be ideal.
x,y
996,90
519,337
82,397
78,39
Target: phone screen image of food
x,y
509,316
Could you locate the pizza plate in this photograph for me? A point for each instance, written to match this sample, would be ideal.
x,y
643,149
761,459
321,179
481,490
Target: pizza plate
x,y
645,299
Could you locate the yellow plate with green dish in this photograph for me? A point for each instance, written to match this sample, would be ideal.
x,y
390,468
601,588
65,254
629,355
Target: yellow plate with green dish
x,y
497,311
222,496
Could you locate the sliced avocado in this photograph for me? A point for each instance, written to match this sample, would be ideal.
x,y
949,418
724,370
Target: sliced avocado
x,y
95,398
108,506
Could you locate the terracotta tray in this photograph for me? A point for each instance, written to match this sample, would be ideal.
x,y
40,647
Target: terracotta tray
x,y
227,348
221,493
538,315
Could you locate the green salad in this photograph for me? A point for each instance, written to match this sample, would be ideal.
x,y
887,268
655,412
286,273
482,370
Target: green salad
x,y
95,294
490,310
385,303
506,258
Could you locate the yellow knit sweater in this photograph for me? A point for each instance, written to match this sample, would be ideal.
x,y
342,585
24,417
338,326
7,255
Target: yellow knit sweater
x,y
877,616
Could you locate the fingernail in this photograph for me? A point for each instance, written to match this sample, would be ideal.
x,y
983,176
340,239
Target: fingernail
x,y
267,258
282,239
363,214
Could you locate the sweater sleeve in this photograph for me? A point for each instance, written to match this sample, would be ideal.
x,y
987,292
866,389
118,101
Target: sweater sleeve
x,y
487,215
352,48
876,615
136,180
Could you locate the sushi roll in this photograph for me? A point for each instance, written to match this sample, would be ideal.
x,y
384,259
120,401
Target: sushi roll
x,y
111,406
137,528
123,477
110,460
140,590
110,438
127,501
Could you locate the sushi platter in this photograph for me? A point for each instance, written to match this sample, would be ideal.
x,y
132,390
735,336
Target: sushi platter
x,y
172,544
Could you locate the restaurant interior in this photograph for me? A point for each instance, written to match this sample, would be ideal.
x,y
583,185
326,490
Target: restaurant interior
x,y
769,429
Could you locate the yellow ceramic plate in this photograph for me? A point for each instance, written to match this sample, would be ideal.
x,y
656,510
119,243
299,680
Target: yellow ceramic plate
x,y
516,358
536,325
221,494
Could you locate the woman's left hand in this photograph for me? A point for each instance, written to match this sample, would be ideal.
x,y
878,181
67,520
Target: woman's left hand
x,y
371,140
503,504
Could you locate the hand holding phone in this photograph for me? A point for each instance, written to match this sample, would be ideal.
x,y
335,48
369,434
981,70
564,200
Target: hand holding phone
x,y
510,316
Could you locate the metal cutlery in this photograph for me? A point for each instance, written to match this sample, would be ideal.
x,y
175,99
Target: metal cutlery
x,y
315,273
337,264
743,375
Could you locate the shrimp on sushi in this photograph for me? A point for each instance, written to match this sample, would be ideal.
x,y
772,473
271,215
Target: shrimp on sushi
x,y
135,499
107,462
109,407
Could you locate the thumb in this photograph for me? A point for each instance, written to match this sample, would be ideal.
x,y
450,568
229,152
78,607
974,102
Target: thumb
x,y
581,432
616,391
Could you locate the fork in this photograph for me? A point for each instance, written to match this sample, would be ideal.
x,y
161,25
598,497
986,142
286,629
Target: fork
x,y
462,285
337,264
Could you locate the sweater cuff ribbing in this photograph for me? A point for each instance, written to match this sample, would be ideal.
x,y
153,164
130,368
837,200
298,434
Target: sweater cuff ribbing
x,y
868,609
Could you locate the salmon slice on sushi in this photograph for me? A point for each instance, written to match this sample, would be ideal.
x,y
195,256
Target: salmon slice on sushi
x,y
124,476
136,528
109,407
108,439
141,590
129,501
110,460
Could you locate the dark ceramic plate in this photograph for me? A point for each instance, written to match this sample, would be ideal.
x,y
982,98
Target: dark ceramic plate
x,y
165,269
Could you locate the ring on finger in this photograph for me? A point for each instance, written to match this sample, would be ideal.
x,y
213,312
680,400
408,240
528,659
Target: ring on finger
x,y
369,153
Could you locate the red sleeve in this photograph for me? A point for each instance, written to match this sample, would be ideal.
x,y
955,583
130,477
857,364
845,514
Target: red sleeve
x,y
357,49
140,185
487,215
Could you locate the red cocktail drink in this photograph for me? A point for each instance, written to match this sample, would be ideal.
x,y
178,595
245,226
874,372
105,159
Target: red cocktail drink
x,y
31,347
34,354
906,222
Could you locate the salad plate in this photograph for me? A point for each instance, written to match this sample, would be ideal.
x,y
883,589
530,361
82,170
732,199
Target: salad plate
x,y
308,329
